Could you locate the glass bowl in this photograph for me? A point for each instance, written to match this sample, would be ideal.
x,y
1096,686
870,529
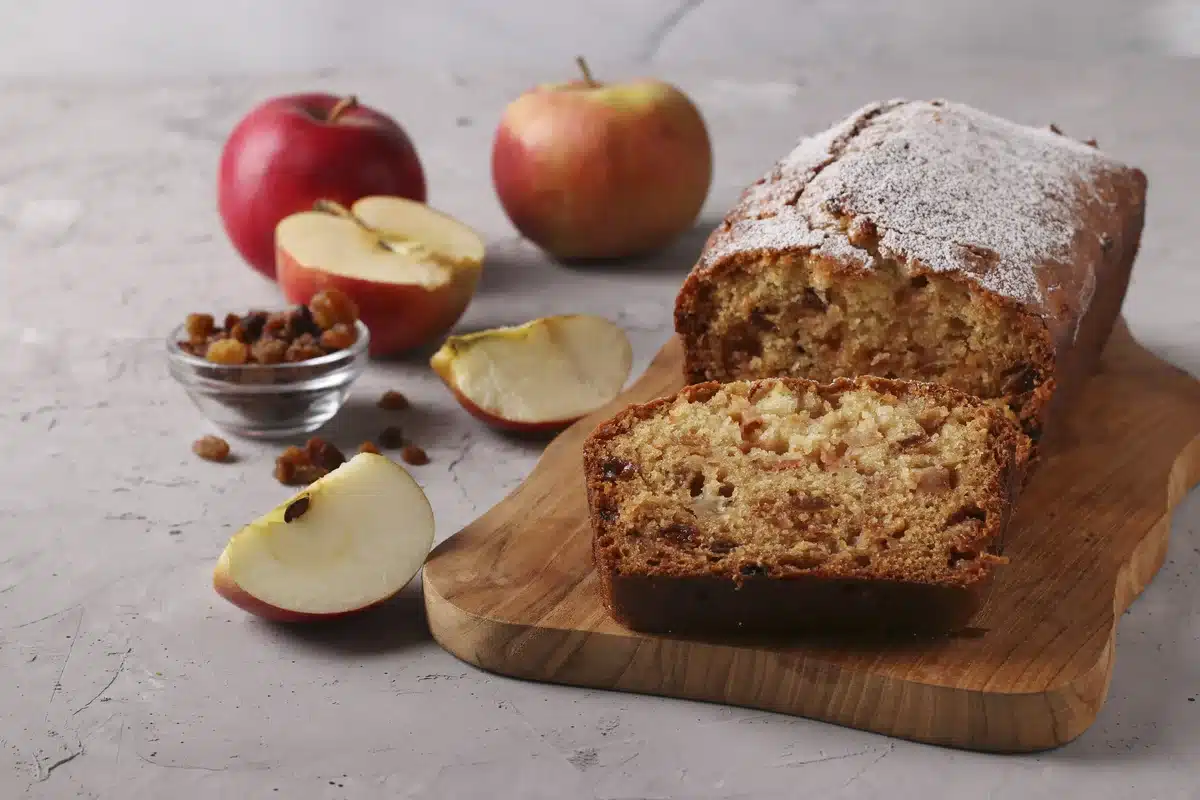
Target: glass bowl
x,y
269,401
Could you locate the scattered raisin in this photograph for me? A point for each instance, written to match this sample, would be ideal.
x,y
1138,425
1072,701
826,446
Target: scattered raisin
x,y
227,351
323,454
608,514
332,307
369,447
414,455
231,320
285,471
211,448
753,569
309,473
391,400
199,326
339,337
391,437
297,508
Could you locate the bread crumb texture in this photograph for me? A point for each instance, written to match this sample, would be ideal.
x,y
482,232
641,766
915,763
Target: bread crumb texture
x,y
868,478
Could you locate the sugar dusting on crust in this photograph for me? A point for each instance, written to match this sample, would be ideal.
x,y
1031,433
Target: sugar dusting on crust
x,y
947,187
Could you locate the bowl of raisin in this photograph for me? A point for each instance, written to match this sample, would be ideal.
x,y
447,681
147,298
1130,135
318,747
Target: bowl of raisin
x,y
271,374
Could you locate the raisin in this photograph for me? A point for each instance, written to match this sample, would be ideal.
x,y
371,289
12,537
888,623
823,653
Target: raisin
x,y
339,337
269,351
414,455
391,437
285,471
391,400
753,569
297,508
919,282
812,301
211,448
308,473
300,322
231,320
276,325
199,326
294,456
608,514
303,348
227,351
369,447
323,453
615,468
253,325
331,307
679,533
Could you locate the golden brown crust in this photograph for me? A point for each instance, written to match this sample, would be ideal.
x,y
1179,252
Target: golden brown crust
x,y
1063,271
828,596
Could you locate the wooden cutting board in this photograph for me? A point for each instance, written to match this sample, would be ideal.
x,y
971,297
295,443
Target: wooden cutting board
x,y
514,592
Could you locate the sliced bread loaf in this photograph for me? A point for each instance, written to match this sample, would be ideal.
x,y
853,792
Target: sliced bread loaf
x,y
784,504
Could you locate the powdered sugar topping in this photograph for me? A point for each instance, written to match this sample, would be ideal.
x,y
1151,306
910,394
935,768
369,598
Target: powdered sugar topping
x,y
947,187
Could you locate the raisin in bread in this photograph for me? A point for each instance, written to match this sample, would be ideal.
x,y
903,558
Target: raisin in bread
x,y
926,241
783,504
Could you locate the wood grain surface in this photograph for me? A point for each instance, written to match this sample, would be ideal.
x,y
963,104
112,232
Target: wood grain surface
x,y
514,592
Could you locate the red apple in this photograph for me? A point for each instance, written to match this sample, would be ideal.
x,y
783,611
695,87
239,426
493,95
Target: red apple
x,y
345,543
291,151
586,169
409,269
536,377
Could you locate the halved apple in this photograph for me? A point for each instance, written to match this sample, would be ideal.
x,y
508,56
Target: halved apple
x,y
348,541
539,376
411,270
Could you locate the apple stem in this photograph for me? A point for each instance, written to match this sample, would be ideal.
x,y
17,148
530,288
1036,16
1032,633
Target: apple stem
x,y
587,73
345,104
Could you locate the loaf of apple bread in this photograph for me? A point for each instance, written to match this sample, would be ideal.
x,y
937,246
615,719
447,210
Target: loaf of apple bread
x,y
926,241
787,505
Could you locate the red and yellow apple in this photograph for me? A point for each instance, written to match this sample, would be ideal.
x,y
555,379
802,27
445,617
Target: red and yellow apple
x,y
290,151
349,541
536,377
589,170
411,270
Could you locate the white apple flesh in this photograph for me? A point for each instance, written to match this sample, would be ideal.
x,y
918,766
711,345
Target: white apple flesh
x,y
411,270
539,376
351,540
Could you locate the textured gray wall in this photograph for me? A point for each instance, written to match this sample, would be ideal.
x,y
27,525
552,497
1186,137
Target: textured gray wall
x,y
150,38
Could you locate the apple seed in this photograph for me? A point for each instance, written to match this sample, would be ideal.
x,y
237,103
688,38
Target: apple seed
x,y
297,508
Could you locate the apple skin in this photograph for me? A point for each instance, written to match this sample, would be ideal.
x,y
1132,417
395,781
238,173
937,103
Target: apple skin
x,y
284,155
400,317
442,369
225,586
591,171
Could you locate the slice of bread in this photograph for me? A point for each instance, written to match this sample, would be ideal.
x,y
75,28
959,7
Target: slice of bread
x,y
784,504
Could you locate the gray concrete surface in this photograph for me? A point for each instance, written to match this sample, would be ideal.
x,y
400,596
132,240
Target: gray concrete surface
x,y
124,676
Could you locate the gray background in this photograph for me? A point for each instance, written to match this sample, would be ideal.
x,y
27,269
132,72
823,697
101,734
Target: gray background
x,y
123,675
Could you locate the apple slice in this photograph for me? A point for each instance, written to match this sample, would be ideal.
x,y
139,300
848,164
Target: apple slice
x,y
539,376
348,541
411,270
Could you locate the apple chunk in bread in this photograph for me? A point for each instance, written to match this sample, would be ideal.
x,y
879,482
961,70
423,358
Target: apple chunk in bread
x,y
411,270
539,376
350,540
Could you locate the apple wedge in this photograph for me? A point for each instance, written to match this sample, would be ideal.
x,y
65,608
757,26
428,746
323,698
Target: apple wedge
x,y
411,270
539,376
348,541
